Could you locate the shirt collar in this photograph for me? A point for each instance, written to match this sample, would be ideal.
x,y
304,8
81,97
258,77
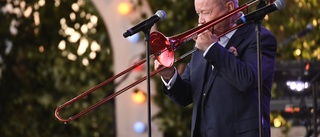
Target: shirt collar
x,y
230,34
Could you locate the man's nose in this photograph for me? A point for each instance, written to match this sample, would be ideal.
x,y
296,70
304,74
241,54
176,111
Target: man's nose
x,y
201,21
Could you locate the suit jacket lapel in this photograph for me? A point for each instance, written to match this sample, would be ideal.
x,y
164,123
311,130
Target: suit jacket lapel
x,y
238,36
197,100
210,81
235,40
202,79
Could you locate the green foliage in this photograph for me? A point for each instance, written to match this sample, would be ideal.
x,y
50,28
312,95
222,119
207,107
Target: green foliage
x,y
37,76
292,20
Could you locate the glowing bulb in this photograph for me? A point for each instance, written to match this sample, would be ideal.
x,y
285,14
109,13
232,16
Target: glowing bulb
x,y
138,68
42,2
124,8
95,46
84,29
62,45
41,49
85,62
139,97
74,37
71,57
94,19
83,46
75,7
92,55
134,38
72,16
139,127
276,122
297,52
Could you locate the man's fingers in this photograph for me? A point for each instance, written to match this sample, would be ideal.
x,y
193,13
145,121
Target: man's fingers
x,y
156,64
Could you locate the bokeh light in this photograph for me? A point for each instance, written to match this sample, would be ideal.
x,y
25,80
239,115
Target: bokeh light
x,y
139,96
276,122
139,127
124,8
134,38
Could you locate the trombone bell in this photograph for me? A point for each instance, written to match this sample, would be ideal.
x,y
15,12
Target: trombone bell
x,y
161,48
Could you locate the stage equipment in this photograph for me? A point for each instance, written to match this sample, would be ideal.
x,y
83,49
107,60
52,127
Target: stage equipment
x,y
162,48
306,98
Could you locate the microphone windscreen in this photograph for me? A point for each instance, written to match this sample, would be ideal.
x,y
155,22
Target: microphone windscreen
x,y
161,14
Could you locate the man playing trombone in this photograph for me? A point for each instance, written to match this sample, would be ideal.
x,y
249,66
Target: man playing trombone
x,y
221,78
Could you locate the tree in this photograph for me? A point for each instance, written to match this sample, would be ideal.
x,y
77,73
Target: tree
x,y
50,51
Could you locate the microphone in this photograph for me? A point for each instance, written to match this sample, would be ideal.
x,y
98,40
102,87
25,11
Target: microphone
x,y
302,33
159,15
308,28
261,4
277,5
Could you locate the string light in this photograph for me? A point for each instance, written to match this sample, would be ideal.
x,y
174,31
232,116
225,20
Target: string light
x,y
139,127
297,52
276,122
75,7
41,49
124,8
134,38
85,62
76,34
138,96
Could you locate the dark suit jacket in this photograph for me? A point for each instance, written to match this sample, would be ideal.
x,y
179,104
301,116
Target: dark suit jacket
x,y
230,102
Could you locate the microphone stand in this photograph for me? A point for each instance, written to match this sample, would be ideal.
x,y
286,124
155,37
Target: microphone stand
x,y
258,30
146,32
258,19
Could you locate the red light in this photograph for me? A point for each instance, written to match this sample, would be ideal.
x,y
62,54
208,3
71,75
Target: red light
x,y
289,110
297,109
307,66
138,68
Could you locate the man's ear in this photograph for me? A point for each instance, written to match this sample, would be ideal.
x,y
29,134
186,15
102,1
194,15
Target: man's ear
x,y
230,6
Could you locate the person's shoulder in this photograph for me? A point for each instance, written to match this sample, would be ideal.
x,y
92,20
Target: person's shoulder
x,y
265,31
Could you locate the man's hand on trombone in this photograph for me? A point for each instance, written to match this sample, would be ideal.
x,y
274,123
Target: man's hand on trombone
x,y
205,39
166,73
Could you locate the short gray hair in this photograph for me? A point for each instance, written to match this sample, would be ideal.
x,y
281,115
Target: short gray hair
x,y
222,3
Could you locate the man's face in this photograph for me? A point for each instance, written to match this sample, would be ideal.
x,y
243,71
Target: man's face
x,y
208,10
